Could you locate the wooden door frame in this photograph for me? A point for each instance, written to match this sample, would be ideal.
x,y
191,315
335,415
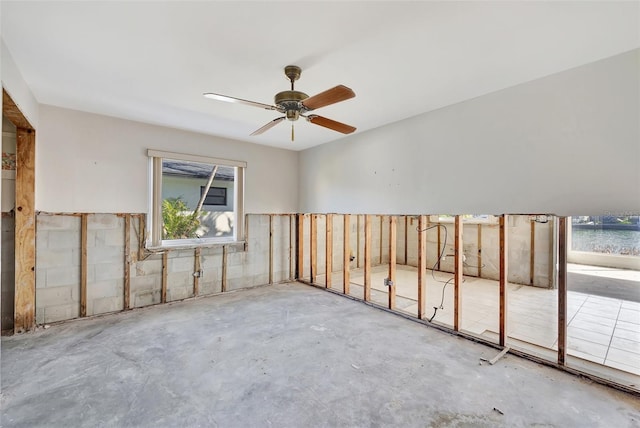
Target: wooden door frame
x,y
25,217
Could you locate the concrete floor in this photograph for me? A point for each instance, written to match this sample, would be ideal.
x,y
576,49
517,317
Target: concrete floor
x,y
288,355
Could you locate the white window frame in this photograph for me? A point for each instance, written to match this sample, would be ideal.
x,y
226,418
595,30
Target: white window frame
x,y
154,229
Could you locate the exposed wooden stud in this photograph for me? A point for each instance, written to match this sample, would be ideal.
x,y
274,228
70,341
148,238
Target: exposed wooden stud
x,y
313,247
439,246
367,257
380,242
270,248
479,251
165,269
562,290
532,249
458,270
142,230
127,262
346,254
83,264
25,228
223,285
328,249
406,235
392,261
422,264
291,245
358,223
197,271
300,258
13,113
502,338
246,232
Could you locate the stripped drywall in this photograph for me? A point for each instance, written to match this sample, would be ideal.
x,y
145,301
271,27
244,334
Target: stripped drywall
x,y
59,264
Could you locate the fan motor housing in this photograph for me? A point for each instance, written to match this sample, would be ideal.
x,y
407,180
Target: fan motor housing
x,y
289,97
289,101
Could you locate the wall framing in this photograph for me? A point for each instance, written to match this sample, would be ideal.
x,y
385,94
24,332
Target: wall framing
x,y
25,220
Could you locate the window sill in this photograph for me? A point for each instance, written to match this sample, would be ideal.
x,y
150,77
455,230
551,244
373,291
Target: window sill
x,y
235,246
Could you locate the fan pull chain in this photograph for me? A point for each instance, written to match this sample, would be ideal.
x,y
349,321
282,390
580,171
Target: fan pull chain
x,y
292,131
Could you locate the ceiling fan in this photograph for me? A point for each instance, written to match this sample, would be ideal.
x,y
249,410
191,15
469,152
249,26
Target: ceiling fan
x,y
295,104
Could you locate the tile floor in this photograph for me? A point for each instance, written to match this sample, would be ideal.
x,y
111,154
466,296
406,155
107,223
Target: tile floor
x,y
601,330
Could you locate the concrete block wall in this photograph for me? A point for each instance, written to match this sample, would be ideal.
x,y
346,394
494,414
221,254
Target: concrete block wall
x,y
283,240
57,267
8,271
518,247
105,263
58,264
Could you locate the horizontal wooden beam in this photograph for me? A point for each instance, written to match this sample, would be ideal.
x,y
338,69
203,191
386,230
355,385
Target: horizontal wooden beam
x,y
11,111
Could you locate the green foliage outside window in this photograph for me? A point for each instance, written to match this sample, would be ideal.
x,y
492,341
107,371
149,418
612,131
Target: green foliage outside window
x,y
178,221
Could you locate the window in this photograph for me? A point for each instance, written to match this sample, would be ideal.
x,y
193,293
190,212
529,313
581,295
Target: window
x,y
195,199
215,195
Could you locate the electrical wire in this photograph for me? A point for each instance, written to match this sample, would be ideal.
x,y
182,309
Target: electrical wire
x,y
433,268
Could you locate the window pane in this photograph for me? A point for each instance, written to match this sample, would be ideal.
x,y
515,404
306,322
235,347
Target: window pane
x,y
197,200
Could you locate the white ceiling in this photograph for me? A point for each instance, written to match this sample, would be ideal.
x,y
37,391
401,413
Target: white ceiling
x,y
151,61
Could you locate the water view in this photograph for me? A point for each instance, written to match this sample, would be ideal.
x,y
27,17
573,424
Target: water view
x,y
625,242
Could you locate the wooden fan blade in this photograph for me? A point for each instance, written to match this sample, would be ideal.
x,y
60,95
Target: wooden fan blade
x,y
331,124
268,126
330,96
228,99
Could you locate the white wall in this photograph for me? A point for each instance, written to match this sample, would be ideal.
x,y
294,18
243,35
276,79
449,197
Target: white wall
x,y
565,144
92,163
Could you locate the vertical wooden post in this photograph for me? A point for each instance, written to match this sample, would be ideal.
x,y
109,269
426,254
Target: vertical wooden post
x,y
502,341
25,230
479,250
358,241
406,235
223,283
198,272
165,270
392,261
422,264
328,249
246,231
532,257
83,264
457,284
439,244
300,257
562,290
313,247
291,244
346,254
367,257
127,262
380,236
142,230
270,248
